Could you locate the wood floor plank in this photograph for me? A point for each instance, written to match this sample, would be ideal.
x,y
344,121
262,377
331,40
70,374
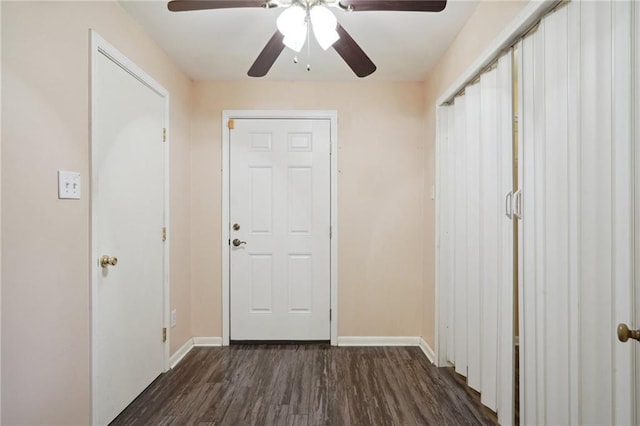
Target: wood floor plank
x,y
307,385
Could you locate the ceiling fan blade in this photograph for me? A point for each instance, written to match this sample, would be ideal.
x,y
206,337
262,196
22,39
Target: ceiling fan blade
x,y
394,5
353,54
185,5
268,56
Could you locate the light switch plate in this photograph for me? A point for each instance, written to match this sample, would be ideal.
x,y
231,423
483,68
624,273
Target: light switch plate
x,y
68,185
174,318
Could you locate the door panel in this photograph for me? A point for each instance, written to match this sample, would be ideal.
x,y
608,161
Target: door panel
x,y
635,351
505,262
459,276
448,253
472,94
622,185
554,219
128,200
446,125
280,200
475,237
578,271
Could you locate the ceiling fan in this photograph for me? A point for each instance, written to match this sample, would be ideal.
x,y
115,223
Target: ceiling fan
x,y
301,16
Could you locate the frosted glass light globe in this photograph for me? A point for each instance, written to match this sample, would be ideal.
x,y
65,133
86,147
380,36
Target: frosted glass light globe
x,y
292,23
324,24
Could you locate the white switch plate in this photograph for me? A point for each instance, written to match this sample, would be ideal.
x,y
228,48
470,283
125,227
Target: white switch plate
x,y
68,185
174,318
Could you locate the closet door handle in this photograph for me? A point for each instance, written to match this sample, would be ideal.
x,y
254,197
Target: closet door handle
x,y
517,198
508,205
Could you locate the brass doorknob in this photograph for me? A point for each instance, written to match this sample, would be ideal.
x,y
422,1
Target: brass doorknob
x,y
236,242
107,260
625,334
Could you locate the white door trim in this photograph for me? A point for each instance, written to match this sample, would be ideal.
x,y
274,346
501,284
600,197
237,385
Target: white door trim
x,y
332,116
100,46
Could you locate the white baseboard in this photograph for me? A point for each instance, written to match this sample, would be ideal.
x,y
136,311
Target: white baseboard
x,y
431,355
180,353
342,341
378,341
207,341
389,341
190,344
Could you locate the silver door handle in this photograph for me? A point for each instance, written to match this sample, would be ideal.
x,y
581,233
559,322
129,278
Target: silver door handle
x,y
236,242
508,205
517,198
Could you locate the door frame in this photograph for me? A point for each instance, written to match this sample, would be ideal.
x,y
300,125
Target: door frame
x,y
99,46
330,115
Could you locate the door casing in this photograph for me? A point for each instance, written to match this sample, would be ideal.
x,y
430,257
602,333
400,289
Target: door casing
x,y
227,115
99,46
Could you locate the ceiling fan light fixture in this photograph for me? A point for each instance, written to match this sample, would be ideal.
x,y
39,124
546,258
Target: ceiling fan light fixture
x,y
324,24
296,40
292,23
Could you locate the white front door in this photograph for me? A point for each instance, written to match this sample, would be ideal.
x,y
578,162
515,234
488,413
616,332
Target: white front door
x,y
128,215
279,229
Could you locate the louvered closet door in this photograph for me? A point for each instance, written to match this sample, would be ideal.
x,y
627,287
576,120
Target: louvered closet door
x,y
476,237
577,276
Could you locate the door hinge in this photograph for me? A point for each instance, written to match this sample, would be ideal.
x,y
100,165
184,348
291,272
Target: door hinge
x,y
164,134
164,234
164,334
231,124
330,314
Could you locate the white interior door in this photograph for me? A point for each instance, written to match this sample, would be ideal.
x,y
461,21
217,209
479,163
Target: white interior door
x,y
280,229
128,219
578,269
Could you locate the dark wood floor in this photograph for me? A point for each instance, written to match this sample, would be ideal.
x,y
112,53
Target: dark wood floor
x,y
307,385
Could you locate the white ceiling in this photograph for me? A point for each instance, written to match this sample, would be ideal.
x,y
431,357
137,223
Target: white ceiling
x,y
222,44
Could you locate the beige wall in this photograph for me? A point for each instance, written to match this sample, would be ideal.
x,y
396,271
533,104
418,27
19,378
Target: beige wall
x,y
45,241
380,203
484,26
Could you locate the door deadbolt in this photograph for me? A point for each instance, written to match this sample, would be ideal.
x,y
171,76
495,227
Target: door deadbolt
x,y
236,227
107,260
625,334
237,242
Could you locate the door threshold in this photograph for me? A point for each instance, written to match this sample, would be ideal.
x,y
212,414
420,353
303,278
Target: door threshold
x,y
279,342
